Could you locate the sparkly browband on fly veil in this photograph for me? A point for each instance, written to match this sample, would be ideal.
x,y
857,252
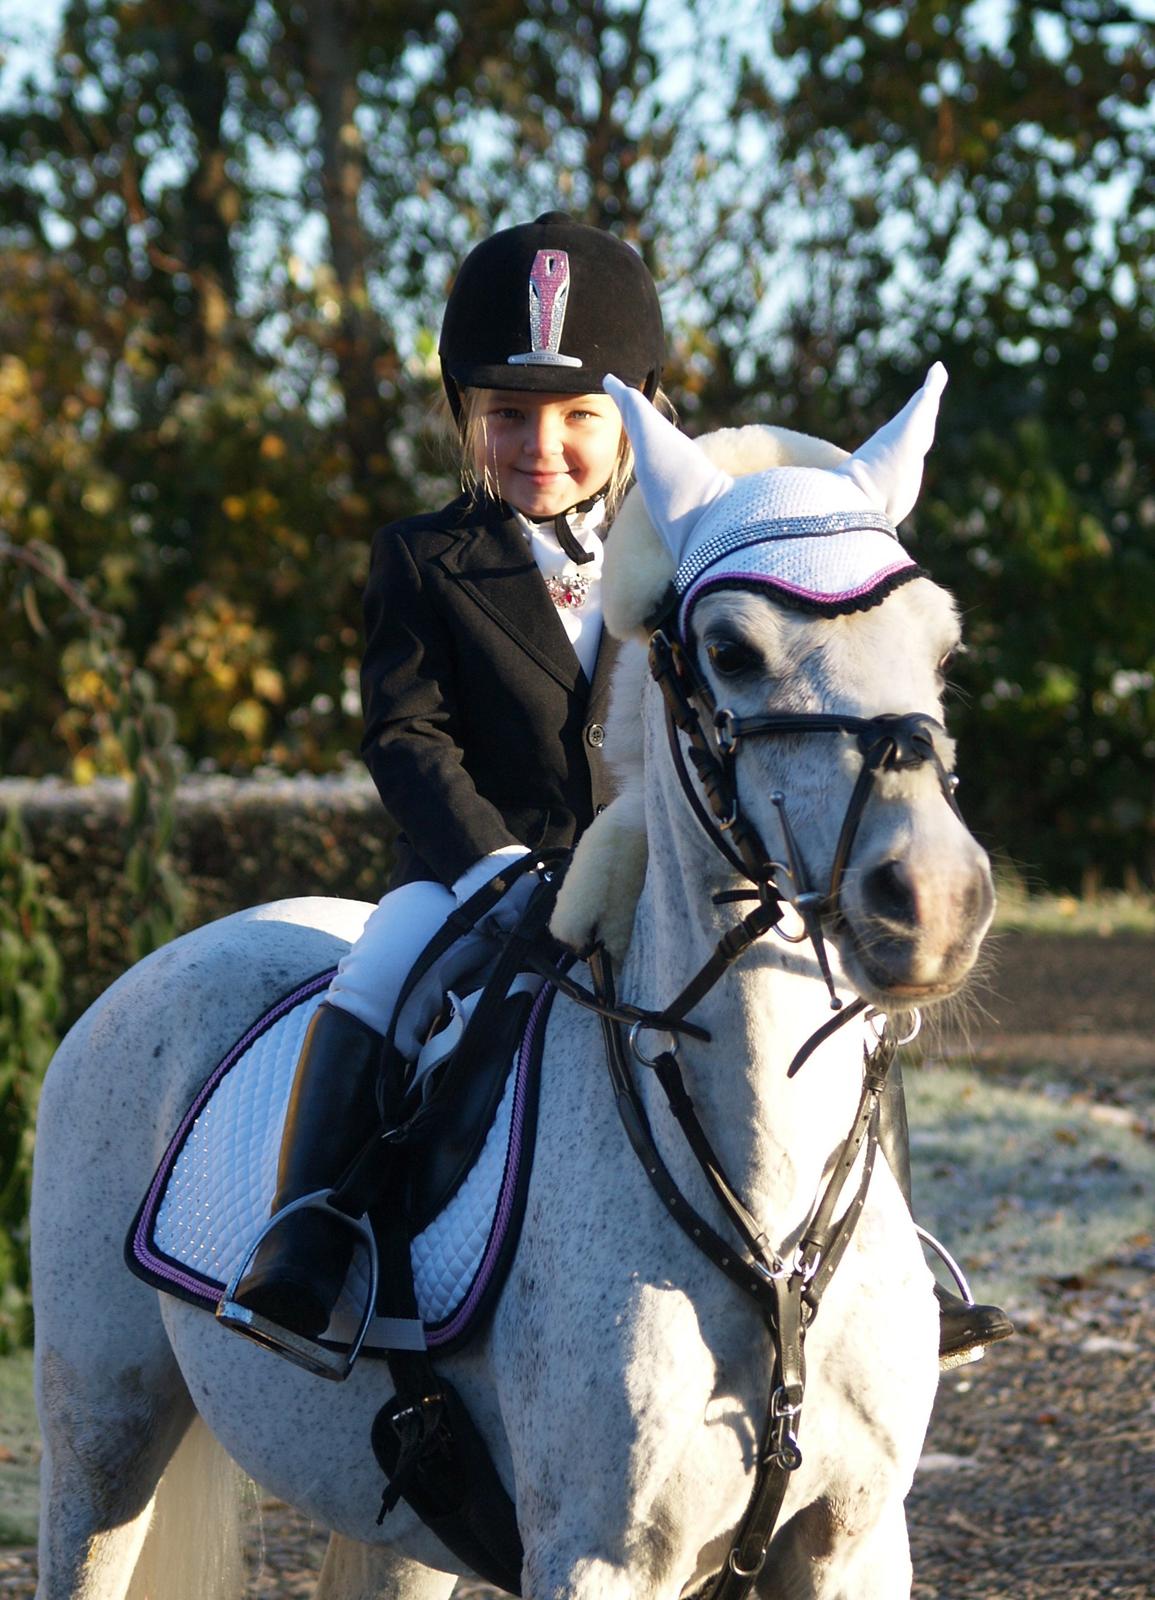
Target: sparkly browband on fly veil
x,y
832,563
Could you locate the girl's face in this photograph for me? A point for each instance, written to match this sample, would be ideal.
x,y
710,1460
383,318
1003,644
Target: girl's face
x,y
545,452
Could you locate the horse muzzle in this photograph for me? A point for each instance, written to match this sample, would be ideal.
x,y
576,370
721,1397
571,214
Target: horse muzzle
x,y
911,925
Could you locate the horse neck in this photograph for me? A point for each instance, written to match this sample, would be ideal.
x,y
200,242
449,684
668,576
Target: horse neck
x,y
775,1136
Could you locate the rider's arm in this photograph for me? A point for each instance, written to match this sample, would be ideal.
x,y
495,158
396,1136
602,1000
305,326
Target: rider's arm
x,y
413,742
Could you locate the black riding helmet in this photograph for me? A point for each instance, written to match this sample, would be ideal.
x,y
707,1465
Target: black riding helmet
x,y
551,306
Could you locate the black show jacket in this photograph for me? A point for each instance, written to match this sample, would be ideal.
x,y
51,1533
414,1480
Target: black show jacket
x,y
481,729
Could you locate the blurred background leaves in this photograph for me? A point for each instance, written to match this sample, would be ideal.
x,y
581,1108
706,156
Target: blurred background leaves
x,y
227,235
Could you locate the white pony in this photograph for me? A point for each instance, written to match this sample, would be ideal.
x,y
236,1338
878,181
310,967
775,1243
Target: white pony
x,y
622,1381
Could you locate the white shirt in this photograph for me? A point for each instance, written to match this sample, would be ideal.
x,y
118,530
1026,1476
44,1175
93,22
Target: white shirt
x,y
583,624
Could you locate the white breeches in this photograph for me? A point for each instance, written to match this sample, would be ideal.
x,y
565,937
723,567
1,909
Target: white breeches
x,y
369,977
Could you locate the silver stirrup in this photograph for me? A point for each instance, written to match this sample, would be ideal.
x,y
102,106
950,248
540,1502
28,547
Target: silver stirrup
x,y
295,1347
961,1358
948,1261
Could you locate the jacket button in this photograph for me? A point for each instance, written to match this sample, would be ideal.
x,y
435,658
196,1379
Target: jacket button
x,y
596,735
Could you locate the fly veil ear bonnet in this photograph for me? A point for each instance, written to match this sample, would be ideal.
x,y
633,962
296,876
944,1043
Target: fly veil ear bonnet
x,y
762,508
822,537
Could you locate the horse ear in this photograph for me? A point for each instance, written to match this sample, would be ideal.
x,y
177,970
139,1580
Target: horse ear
x,y
677,481
888,467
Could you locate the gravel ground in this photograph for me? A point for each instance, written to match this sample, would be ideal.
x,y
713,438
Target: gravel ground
x,y
1038,1478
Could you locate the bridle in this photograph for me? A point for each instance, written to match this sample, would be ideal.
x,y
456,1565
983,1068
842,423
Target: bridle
x,y
891,742
786,1293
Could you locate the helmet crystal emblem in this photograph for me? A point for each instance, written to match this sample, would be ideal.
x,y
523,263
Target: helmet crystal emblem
x,y
548,299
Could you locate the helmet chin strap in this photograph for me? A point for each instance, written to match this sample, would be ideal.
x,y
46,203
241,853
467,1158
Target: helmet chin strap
x,y
565,534
565,537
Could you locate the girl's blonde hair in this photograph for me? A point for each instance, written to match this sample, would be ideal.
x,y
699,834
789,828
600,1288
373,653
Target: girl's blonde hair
x,y
471,435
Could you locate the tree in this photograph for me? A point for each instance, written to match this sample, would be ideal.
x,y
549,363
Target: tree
x,y
248,215
994,178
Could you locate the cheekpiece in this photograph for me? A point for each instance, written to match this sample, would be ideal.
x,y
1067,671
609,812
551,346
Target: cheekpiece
x,y
785,531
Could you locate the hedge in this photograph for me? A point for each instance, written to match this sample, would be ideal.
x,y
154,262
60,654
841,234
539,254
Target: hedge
x,y
237,842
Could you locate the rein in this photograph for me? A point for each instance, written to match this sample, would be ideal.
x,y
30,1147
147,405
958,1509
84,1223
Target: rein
x,y
786,1294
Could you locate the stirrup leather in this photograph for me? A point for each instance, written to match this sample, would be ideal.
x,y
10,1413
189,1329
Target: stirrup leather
x,y
295,1347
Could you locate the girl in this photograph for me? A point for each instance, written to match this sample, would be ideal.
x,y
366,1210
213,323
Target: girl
x,y
485,679
485,684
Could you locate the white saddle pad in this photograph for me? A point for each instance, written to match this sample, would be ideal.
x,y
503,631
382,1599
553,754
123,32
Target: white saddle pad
x,y
212,1192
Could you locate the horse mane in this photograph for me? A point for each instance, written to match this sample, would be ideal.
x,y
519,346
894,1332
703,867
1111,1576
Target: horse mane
x,y
600,893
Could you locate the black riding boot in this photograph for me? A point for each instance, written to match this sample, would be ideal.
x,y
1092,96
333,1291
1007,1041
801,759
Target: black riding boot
x,y
295,1278
964,1328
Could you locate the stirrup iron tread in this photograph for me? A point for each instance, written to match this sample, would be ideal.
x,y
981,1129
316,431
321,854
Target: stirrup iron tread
x,y
298,1348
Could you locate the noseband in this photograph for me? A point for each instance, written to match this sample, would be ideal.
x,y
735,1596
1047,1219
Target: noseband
x,y
890,742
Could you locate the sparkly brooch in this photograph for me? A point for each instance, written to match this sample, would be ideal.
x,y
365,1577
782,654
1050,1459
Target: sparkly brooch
x,y
568,589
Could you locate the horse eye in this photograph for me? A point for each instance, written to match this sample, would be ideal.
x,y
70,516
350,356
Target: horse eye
x,y
731,658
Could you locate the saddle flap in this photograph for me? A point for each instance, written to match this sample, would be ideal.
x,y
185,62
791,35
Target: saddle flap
x,y
454,1139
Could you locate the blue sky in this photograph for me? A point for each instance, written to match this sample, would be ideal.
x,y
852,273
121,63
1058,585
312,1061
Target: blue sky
x,y
31,25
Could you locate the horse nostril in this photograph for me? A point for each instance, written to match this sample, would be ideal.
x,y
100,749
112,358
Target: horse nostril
x,y
979,898
889,893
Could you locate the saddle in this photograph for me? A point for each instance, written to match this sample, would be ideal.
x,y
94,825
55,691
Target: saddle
x,y
450,1163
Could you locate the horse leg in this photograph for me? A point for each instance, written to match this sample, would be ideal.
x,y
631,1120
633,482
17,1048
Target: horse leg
x,y
107,1439
878,1565
113,1405
354,1571
551,1575
816,1556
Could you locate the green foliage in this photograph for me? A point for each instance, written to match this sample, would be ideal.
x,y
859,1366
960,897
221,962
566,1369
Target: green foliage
x,y
225,244
128,730
134,730
145,729
30,1005
235,843
979,189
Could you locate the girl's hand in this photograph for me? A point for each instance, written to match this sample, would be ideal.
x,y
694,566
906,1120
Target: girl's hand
x,y
507,912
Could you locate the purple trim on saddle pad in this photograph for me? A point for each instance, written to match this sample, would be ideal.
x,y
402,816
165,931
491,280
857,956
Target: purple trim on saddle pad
x,y
181,1280
148,1259
528,1056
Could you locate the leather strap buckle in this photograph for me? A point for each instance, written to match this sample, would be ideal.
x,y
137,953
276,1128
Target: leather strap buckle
x,y
785,1451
